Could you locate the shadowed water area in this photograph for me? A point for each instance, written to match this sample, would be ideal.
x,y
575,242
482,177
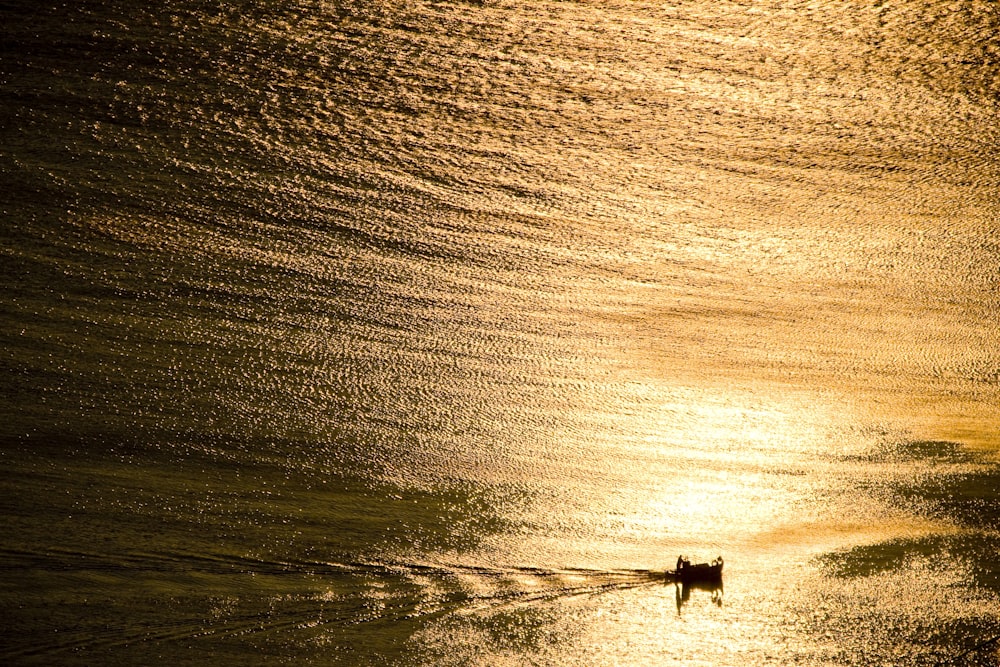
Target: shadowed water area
x,y
430,333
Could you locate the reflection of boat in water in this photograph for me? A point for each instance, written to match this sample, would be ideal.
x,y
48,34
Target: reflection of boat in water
x,y
683,592
688,573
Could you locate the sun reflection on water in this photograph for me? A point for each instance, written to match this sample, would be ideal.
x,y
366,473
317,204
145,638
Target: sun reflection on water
x,y
771,476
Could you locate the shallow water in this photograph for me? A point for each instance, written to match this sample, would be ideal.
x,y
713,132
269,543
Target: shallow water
x,y
432,333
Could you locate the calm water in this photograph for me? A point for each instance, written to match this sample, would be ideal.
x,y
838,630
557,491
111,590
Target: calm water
x,y
427,333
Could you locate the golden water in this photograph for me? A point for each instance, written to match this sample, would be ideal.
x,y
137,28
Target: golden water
x,y
430,333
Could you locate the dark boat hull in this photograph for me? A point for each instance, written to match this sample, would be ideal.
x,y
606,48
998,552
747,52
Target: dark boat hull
x,y
688,573
700,572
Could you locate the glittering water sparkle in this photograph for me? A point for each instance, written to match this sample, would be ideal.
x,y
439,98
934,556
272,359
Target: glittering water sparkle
x,y
432,333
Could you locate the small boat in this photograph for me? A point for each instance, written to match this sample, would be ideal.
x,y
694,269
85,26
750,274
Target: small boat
x,y
688,573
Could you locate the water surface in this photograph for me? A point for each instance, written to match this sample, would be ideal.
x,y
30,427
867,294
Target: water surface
x,y
432,333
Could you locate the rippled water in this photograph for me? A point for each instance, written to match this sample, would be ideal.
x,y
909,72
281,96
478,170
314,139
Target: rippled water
x,y
432,333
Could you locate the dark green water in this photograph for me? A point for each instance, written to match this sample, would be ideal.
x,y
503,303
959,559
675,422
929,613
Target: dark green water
x,y
431,333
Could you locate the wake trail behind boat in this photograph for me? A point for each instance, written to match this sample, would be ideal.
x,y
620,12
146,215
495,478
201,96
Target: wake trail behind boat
x,y
298,600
